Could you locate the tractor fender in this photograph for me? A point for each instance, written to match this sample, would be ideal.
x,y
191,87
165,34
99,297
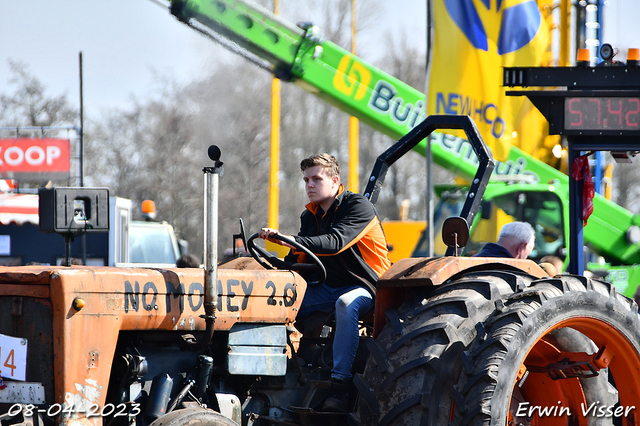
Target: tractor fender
x,y
411,274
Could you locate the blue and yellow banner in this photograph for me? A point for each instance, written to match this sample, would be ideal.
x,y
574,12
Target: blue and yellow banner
x,y
472,41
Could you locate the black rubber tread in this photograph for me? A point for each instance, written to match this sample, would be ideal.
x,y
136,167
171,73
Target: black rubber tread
x,y
193,417
491,363
419,351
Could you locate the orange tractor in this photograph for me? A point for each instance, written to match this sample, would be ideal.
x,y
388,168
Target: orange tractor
x,y
453,340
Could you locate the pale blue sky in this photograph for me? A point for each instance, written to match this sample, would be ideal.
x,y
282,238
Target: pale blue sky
x,y
127,43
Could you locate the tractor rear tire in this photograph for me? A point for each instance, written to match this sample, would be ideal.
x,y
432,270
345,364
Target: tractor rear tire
x,y
415,361
193,417
498,386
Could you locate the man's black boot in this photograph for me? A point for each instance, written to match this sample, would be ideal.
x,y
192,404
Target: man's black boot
x,y
338,398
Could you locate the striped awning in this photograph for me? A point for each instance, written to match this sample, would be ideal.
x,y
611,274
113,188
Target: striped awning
x,y
18,208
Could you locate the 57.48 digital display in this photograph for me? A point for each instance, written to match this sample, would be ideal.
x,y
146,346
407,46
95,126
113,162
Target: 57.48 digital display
x,y
602,113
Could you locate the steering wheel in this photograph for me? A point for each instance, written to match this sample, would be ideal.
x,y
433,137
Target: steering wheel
x,y
270,261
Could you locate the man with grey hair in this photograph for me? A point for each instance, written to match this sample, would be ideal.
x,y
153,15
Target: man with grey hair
x,y
516,240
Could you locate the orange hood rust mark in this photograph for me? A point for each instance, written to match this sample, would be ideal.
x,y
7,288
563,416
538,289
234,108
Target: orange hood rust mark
x,y
25,274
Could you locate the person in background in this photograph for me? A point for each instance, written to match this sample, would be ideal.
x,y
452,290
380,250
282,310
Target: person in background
x,y
516,240
343,229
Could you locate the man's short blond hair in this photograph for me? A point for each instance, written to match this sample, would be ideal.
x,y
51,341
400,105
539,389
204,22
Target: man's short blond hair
x,y
328,162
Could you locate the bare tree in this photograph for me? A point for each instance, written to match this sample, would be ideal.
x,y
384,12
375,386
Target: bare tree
x,y
148,153
233,112
626,192
28,105
30,112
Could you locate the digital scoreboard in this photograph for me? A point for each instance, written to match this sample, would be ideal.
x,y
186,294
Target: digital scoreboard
x,y
595,108
602,113
594,103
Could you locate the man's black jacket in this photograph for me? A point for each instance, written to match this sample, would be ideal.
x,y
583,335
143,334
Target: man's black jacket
x,y
493,250
348,239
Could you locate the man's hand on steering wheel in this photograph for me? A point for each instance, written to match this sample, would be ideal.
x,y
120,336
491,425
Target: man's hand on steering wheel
x,y
268,233
269,261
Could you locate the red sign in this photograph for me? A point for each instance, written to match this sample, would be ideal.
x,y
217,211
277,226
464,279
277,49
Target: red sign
x,y
34,158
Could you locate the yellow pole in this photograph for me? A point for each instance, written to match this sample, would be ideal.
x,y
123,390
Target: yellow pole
x,y
274,170
353,121
353,154
274,190
565,33
608,181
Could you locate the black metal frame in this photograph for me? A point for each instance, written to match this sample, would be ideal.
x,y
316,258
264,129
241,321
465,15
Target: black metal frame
x,y
551,104
574,78
581,81
486,163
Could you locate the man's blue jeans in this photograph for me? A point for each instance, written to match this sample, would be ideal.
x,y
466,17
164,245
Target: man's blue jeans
x,y
350,304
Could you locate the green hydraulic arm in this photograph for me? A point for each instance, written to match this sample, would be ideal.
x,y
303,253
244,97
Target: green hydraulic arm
x,y
299,54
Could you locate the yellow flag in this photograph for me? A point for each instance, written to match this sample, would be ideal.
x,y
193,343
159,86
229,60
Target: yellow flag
x,y
473,40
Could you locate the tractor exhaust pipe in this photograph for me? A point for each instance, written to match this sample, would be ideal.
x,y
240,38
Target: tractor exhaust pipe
x,y
211,178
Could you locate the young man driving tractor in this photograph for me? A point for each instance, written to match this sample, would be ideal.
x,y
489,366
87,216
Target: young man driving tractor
x,y
342,228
